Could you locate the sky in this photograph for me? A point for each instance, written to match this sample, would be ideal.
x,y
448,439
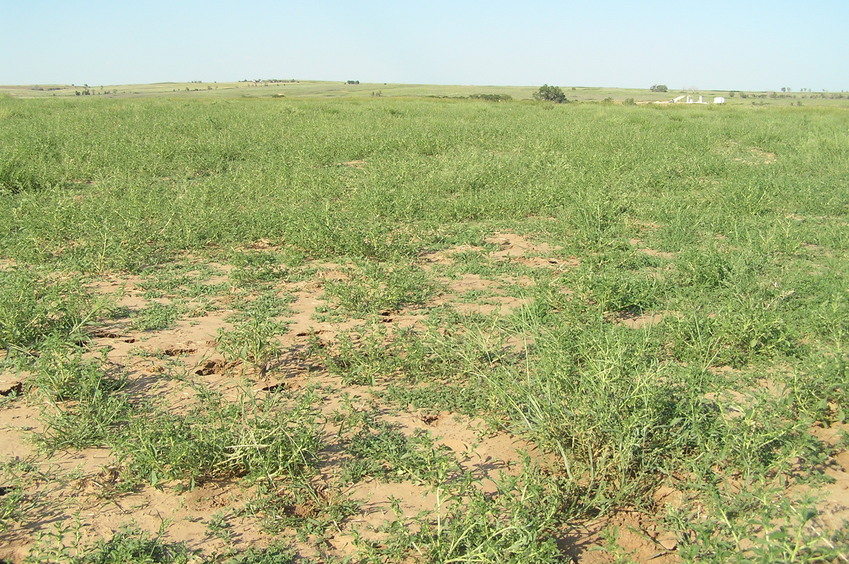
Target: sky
x,y
700,44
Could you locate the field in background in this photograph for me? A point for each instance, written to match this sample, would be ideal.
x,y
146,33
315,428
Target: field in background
x,y
245,328
292,88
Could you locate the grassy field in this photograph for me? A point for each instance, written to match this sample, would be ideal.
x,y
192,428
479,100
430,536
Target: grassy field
x,y
291,88
240,327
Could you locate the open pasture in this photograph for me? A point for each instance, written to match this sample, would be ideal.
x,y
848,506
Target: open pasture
x,y
317,89
438,330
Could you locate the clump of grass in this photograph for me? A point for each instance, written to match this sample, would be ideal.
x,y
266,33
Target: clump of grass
x,y
84,404
253,341
155,317
468,526
381,450
381,287
131,545
603,407
35,307
253,437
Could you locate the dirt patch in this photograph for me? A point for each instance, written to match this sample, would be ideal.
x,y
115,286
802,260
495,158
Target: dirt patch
x,y
748,155
446,256
638,321
513,245
630,536
474,294
358,164
648,251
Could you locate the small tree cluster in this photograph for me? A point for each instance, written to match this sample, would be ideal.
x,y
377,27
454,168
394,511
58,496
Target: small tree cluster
x,y
550,94
659,88
491,97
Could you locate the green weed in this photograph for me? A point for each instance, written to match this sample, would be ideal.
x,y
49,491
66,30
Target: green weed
x,y
255,437
380,450
469,526
257,268
131,545
84,404
155,317
16,497
35,307
378,287
253,341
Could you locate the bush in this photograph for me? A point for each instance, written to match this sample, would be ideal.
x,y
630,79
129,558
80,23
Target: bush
x,y
659,88
550,94
492,97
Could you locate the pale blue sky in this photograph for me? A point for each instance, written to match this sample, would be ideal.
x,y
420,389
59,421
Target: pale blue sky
x,y
719,44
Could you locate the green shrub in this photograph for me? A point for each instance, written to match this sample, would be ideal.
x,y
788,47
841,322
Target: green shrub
x,y
550,94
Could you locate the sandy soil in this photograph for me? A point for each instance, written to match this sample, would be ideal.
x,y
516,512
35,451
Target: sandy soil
x,y
76,484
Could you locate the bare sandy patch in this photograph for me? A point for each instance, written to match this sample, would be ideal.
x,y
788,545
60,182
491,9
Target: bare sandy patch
x,y
649,251
513,245
639,321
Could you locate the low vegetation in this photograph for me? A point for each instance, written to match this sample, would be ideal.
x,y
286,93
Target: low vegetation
x,y
441,330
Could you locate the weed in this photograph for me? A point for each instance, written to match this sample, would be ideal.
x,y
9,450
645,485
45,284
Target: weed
x,y
34,307
468,526
378,287
259,438
155,317
253,341
131,545
309,507
217,526
276,554
83,402
756,523
254,268
16,501
380,450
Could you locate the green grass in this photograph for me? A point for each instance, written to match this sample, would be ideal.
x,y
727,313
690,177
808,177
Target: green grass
x,y
260,438
724,225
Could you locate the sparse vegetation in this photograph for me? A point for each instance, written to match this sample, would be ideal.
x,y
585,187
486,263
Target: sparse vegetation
x,y
424,329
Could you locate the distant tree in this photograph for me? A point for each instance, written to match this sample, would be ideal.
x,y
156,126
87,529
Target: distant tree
x,y
659,88
550,94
